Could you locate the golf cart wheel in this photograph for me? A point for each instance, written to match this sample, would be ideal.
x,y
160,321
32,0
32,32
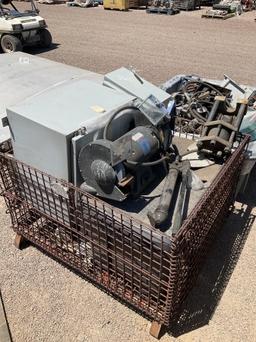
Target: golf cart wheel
x,y
45,38
11,43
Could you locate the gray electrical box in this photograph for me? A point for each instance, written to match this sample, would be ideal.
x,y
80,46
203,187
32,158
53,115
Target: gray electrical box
x,y
23,75
43,126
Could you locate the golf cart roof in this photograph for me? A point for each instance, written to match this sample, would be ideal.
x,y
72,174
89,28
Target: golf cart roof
x,y
13,12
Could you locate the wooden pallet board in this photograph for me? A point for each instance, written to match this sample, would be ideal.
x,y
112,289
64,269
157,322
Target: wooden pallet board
x,y
217,16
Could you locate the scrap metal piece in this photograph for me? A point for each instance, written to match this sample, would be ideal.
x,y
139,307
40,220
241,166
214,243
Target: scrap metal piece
x,y
198,160
234,83
160,215
82,3
221,127
129,82
168,7
179,215
194,99
252,99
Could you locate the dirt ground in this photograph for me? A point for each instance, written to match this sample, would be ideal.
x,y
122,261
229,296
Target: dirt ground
x,y
46,302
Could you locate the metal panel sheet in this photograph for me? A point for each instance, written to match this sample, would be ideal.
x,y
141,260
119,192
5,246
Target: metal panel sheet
x,y
127,81
71,105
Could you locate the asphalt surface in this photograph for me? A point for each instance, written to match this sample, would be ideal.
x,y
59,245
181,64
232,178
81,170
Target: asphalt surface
x,y
46,302
157,46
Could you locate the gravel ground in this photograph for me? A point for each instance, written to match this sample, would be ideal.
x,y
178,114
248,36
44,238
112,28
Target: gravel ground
x,y
157,46
46,302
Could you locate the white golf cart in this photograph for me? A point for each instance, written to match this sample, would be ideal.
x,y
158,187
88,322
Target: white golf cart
x,y
18,29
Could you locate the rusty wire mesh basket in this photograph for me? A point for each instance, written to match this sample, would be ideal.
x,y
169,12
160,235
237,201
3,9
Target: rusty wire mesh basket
x,y
145,268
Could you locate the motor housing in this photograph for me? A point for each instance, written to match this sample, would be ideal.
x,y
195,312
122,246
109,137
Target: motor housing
x,y
114,169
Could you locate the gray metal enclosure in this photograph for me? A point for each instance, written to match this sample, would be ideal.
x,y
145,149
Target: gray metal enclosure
x,y
23,76
42,126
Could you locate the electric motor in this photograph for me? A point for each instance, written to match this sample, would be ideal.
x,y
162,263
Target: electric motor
x,y
113,169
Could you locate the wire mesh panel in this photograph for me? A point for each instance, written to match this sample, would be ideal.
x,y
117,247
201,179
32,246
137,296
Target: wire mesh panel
x,y
137,263
121,254
5,184
198,231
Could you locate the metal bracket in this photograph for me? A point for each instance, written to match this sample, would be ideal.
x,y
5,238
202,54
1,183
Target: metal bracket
x,y
229,80
5,121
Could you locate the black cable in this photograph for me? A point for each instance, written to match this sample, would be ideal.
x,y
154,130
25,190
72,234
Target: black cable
x,y
153,163
206,84
194,98
105,132
201,119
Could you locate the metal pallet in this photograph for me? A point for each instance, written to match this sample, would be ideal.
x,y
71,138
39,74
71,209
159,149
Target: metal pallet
x,y
188,5
218,16
162,10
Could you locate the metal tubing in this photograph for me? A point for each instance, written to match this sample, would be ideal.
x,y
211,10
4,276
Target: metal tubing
x,y
236,124
212,115
210,118
239,118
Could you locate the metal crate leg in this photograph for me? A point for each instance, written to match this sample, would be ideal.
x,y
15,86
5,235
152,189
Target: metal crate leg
x,y
19,241
155,329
